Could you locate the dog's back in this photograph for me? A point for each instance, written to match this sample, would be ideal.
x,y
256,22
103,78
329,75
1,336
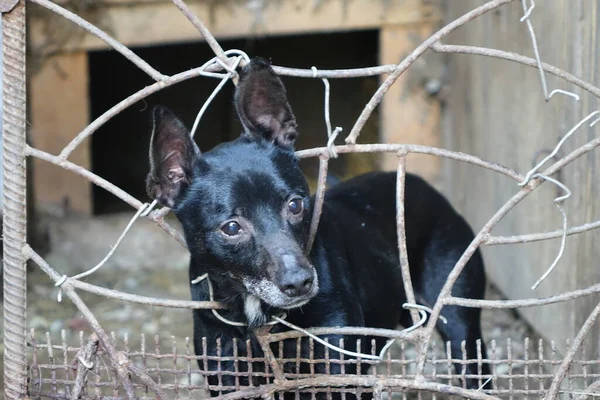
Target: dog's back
x,y
359,220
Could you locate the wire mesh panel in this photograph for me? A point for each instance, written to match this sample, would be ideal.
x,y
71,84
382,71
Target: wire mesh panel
x,y
59,369
324,364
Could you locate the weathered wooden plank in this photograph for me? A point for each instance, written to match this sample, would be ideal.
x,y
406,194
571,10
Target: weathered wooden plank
x,y
496,110
408,113
59,110
160,22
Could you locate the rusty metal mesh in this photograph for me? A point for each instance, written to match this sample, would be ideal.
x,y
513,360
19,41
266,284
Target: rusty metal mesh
x,y
103,366
55,369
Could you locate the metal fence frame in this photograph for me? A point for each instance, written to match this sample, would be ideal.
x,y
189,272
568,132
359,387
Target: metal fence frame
x,y
17,252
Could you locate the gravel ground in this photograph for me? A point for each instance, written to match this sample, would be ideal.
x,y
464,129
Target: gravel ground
x,y
152,264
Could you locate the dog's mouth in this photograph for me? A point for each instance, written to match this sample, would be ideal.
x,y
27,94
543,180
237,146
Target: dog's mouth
x,y
295,302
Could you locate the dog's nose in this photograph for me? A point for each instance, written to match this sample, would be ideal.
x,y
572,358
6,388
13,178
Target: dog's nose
x,y
294,276
296,282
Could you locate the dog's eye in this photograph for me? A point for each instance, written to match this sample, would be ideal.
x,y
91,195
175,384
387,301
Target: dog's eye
x,y
231,228
296,206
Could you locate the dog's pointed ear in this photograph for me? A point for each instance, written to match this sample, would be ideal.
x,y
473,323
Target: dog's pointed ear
x,y
173,154
262,105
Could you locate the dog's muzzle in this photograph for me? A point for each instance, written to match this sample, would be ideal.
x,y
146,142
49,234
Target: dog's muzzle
x,y
294,291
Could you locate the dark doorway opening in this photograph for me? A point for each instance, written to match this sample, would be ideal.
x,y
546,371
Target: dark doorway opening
x,y
120,147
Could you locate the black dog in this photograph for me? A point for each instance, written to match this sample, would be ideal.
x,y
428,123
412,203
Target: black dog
x,y
245,209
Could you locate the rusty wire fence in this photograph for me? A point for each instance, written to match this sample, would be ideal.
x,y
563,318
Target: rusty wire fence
x,y
101,365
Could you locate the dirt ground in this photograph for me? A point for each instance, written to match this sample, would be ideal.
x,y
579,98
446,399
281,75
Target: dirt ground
x,y
152,264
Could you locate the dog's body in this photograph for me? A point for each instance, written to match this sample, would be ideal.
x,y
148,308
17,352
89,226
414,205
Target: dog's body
x,y
245,211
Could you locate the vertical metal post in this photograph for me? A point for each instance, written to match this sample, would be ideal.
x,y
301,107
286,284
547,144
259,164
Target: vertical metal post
x,y
1,130
15,218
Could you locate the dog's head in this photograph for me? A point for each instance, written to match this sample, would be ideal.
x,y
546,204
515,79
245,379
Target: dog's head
x,y
245,205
